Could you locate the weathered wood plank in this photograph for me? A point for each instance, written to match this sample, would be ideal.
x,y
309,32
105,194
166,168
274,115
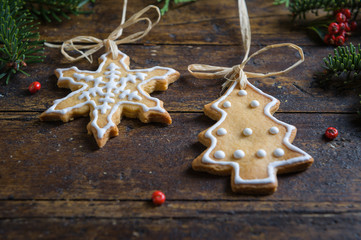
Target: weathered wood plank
x,y
201,22
247,226
43,160
296,90
170,209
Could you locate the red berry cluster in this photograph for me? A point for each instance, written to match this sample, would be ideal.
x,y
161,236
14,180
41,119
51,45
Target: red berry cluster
x,y
339,31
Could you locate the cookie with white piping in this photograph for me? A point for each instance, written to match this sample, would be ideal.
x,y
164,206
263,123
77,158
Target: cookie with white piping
x,y
248,143
109,93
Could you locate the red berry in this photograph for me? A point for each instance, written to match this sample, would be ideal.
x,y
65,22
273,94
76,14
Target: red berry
x,y
23,63
340,40
342,26
353,26
347,13
347,27
345,35
158,198
331,133
342,33
340,18
333,28
329,39
34,87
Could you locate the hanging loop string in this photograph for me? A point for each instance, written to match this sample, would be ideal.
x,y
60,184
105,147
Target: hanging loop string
x,y
112,41
236,72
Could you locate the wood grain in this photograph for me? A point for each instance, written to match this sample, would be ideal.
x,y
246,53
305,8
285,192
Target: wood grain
x,y
131,167
56,184
297,90
260,226
202,22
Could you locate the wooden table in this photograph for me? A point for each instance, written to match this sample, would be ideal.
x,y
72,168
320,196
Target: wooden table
x,y
56,184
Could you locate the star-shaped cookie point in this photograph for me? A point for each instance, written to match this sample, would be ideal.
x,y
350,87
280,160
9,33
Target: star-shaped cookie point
x,y
109,93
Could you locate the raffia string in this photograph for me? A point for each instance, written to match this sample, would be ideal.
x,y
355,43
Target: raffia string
x,y
236,72
112,41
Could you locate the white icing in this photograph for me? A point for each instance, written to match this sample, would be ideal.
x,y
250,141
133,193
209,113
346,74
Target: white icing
x,y
111,88
242,93
279,152
274,130
247,132
254,103
219,155
227,104
221,132
261,153
238,154
273,165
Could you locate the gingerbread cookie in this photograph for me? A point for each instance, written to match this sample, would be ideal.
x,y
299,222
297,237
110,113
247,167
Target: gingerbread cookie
x,y
109,93
248,143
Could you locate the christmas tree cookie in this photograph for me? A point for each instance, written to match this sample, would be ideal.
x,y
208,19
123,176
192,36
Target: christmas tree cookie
x,y
109,93
248,143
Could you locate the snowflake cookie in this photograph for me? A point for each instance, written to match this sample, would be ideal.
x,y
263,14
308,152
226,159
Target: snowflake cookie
x,y
109,93
248,143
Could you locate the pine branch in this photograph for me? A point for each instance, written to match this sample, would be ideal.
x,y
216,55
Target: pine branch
x,y
299,8
345,60
280,2
56,9
165,8
342,69
19,39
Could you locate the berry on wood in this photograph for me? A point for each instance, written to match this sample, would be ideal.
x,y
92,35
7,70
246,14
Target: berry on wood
x,y
34,87
331,133
158,198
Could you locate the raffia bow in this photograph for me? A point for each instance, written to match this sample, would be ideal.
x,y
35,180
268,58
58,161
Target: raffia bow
x,y
236,72
112,41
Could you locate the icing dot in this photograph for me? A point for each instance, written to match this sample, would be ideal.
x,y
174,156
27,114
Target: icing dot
x,y
242,93
279,152
239,154
247,132
254,103
227,104
219,154
261,153
274,130
221,132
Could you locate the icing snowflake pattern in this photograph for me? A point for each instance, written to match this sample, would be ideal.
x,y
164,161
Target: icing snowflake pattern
x,y
110,89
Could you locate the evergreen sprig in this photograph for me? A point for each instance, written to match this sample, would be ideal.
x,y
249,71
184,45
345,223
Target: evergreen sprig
x,y
346,59
19,39
19,36
342,69
165,8
56,9
299,8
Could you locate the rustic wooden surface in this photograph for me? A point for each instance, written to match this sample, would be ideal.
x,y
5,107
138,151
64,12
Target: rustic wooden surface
x,y
56,184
